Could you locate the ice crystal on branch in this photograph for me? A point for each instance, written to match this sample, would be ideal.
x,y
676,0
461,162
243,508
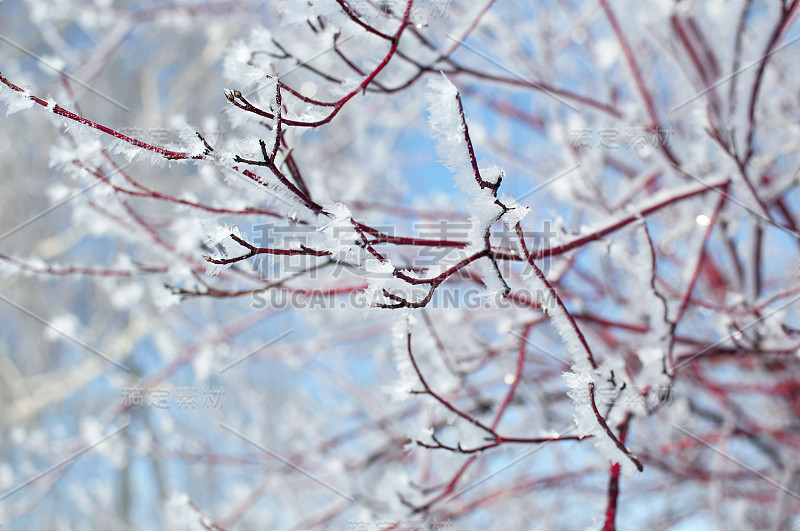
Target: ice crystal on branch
x,y
15,101
447,123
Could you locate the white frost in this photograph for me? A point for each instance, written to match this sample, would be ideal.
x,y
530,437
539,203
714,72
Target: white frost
x,y
339,234
15,101
578,382
218,236
448,129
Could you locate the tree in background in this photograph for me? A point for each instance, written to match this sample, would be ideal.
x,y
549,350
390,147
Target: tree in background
x,y
400,265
